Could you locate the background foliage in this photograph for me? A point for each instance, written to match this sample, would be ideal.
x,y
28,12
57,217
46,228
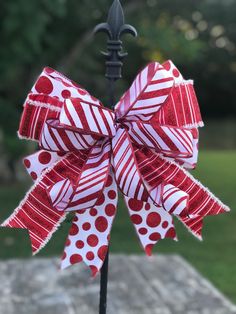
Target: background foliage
x,y
199,36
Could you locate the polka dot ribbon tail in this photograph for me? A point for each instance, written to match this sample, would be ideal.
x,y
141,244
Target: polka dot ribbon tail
x,y
88,152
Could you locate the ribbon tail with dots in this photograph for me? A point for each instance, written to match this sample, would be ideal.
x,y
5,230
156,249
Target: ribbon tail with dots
x,y
151,223
89,234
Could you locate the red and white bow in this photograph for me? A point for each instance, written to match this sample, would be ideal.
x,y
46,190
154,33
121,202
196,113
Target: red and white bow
x,y
88,150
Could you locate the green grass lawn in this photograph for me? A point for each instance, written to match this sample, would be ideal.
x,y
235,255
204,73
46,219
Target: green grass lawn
x,y
215,257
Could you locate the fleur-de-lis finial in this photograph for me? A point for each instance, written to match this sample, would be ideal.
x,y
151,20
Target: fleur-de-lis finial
x,y
115,27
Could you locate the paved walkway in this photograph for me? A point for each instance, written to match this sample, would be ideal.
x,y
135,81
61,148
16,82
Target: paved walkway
x,y
161,285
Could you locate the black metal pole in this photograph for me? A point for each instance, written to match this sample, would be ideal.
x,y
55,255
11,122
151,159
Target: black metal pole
x,y
115,27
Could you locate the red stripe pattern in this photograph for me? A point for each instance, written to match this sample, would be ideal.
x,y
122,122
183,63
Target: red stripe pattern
x,y
147,94
35,213
54,137
60,194
143,147
156,169
170,141
89,235
126,171
181,107
88,118
92,179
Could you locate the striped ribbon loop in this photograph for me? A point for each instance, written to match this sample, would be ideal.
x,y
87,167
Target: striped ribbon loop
x,y
55,137
147,94
60,194
92,178
88,118
125,166
128,177
173,142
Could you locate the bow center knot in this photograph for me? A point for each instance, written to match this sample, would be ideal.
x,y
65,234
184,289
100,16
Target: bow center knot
x,y
119,123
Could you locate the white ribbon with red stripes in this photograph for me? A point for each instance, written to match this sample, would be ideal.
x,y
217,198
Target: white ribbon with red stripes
x,y
92,150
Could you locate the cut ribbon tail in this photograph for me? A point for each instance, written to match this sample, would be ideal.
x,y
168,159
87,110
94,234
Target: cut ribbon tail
x,y
201,201
89,235
35,213
151,223
194,225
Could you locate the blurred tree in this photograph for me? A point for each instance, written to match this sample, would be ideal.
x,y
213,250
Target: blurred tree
x,y
199,36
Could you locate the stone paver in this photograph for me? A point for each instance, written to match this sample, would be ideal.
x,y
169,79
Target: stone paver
x,y
137,285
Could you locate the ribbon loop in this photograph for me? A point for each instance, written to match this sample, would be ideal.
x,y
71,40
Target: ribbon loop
x,y
55,137
88,118
60,194
92,179
170,141
147,94
126,170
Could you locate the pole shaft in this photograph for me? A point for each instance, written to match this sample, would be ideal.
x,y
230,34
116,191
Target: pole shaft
x,y
103,286
105,267
114,28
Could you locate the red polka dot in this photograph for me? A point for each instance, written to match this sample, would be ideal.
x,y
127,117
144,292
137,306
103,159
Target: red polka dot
x,y
165,224
102,252
92,240
135,204
76,258
44,158
148,249
94,270
155,236
49,70
81,91
143,231
109,181
93,98
64,256
147,206
86,226
66,84
76,219
167,65
90,256
176,73
79,244
171,233
68,242
136,219
66,93
112,194
108,237
34,175
44,85
27,163
93,212
100,200
153,220
74,229
110,210
101,224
